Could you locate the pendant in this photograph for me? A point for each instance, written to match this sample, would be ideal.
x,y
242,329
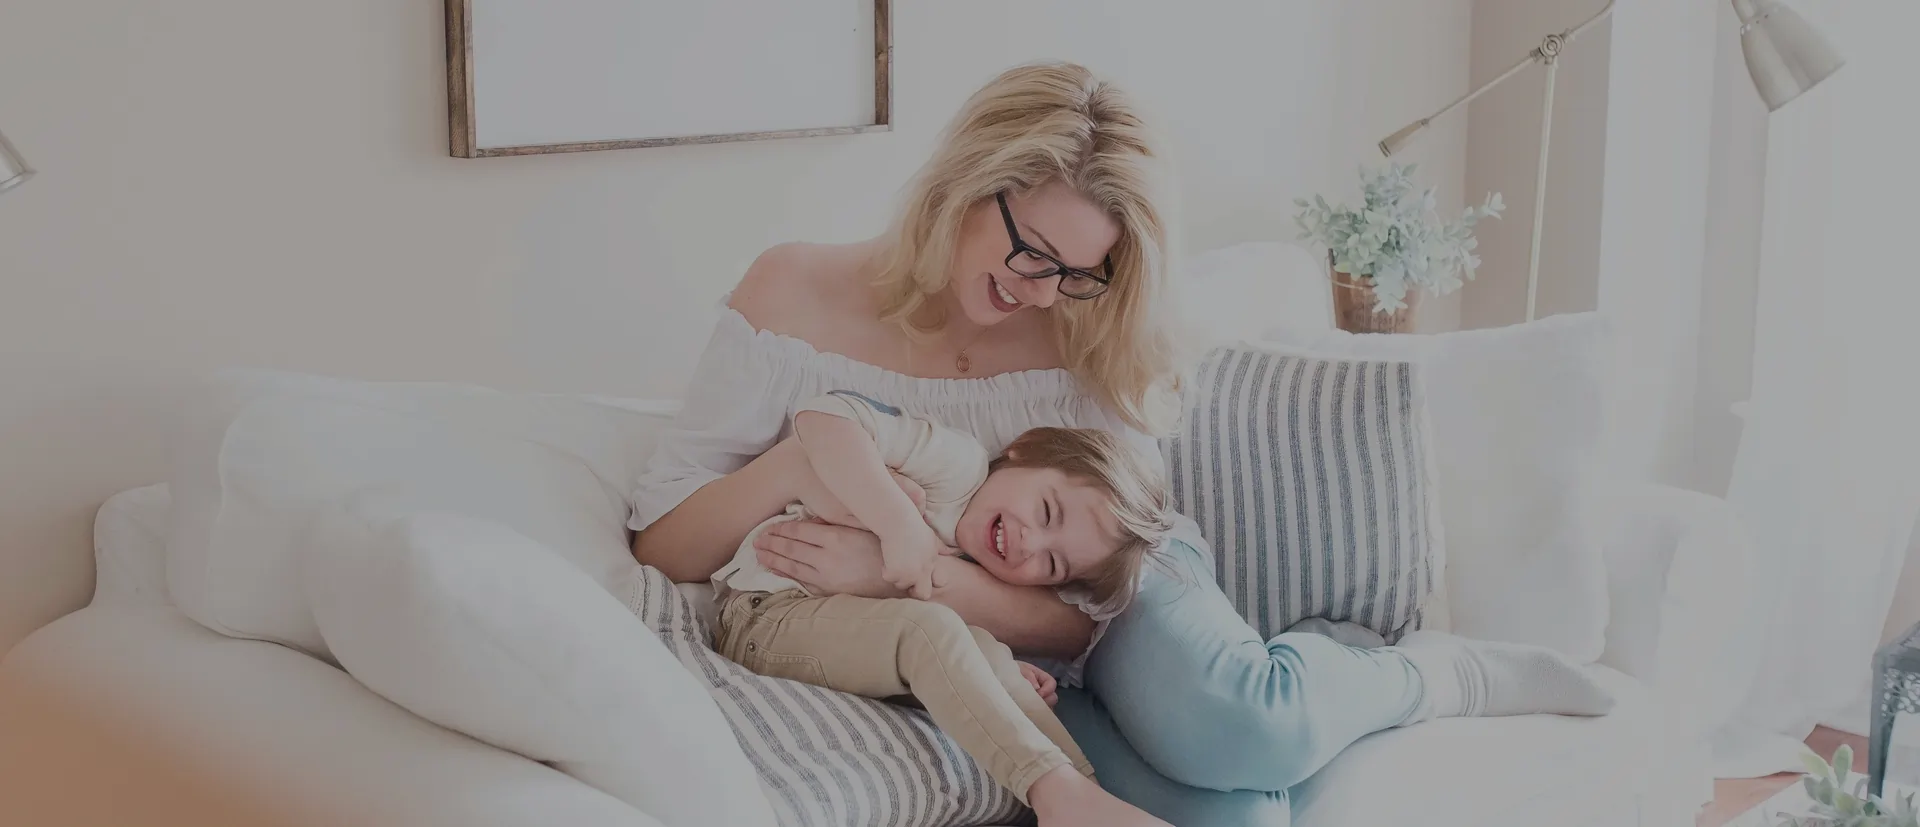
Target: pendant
x,y
963,363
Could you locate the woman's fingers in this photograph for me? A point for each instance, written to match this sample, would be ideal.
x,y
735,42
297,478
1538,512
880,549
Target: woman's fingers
x,y
787,557
806,532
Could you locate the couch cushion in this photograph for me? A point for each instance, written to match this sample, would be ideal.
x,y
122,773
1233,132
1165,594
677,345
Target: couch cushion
x,y
130,546
474,626
1518,422
262,454
137,715
1312,480
1495,772
826,758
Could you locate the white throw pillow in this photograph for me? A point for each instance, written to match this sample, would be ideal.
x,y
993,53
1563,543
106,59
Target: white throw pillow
x,y
263,454
482,630
1518,423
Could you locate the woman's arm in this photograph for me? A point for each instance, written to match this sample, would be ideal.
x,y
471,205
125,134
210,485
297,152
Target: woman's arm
x,y
1031,620
718,471
830,559
697,537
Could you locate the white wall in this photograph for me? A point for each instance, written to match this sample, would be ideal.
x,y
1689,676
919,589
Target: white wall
x,y
267,184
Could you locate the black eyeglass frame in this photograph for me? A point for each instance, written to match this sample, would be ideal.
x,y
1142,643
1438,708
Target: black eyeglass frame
x,y
1060,268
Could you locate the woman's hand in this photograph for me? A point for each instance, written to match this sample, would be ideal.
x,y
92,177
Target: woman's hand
x,y
827,559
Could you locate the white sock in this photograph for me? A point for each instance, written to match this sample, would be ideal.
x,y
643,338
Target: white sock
x,y
1474,679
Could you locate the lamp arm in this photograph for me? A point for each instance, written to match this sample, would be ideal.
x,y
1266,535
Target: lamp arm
x,y
1546,52
1597,17
1394,141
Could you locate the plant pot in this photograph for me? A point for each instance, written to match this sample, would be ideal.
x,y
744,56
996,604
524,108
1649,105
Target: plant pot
x,y
1353,303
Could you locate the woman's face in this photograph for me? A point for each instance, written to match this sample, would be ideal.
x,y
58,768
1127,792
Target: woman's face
x,y
1055,219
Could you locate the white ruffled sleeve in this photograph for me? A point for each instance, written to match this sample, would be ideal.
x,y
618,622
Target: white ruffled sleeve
x,y
735,410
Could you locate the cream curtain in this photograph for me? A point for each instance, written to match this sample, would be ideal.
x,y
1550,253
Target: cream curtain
x,y
1827,477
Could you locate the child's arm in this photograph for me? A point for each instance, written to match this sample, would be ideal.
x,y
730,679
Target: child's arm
x,y
821,503
848,463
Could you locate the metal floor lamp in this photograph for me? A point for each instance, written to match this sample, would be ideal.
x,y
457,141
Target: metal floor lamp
x,y
14,169
1784,54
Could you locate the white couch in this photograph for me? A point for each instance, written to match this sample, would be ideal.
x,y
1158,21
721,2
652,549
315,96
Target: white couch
x,y
128,713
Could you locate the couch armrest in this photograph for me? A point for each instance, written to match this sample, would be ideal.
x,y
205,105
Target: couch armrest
x,y
135,715
1677,579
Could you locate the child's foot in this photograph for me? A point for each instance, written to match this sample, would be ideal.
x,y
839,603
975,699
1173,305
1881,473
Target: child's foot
x,y
1476,678
1065,798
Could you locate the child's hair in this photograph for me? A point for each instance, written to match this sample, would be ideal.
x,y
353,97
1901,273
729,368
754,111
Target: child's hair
x,y
1133,484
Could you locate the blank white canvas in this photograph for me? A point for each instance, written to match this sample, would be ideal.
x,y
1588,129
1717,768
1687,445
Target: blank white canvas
x,y
565,71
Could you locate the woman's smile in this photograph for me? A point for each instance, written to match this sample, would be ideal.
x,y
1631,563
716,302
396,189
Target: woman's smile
x,y
1000,297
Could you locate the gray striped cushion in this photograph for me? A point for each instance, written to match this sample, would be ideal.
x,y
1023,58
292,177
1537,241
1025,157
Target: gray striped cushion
x,y
1312,481
829,759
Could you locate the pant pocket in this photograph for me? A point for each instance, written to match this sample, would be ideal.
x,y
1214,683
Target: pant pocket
x,y
802,668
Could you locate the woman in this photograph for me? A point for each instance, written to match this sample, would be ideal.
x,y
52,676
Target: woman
x,y
1022,286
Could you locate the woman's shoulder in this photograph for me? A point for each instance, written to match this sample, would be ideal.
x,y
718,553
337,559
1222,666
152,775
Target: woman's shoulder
x,y
798,289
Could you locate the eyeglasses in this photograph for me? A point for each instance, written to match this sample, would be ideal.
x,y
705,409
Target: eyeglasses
x,y
1029,262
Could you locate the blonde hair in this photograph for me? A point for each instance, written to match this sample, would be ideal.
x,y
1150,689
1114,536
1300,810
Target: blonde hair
x,y
1029,126
1134,489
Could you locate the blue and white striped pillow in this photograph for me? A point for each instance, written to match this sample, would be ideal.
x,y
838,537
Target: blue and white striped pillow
x,y
1312,479
825,758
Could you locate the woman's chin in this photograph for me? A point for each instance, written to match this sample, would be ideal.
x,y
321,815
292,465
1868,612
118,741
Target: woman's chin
x,y
982,316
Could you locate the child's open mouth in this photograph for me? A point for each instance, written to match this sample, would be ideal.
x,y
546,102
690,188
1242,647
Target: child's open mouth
x,y
997,537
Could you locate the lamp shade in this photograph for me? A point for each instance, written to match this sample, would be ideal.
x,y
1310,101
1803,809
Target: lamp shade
x,y
1785,55
13,168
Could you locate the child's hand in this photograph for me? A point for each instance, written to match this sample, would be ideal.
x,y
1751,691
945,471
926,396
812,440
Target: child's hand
x,y
908,562
1043,683
913,490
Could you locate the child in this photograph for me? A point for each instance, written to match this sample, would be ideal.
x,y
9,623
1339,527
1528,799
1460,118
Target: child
x,y
1068,508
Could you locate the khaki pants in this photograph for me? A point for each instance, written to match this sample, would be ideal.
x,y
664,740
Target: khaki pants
x,y
967,681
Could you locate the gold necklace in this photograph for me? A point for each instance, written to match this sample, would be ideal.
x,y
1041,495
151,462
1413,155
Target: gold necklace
x,y
961,361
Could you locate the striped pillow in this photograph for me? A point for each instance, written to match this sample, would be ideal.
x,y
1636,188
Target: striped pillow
x,y
1312,480
825,758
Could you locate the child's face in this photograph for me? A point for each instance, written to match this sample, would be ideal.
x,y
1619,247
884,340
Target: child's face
x,y
1037,527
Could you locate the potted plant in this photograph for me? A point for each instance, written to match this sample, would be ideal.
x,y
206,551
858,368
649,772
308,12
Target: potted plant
x,y
1835,806
1393,243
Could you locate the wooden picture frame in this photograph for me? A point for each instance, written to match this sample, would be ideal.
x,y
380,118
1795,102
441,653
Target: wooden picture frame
x,y
462,124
